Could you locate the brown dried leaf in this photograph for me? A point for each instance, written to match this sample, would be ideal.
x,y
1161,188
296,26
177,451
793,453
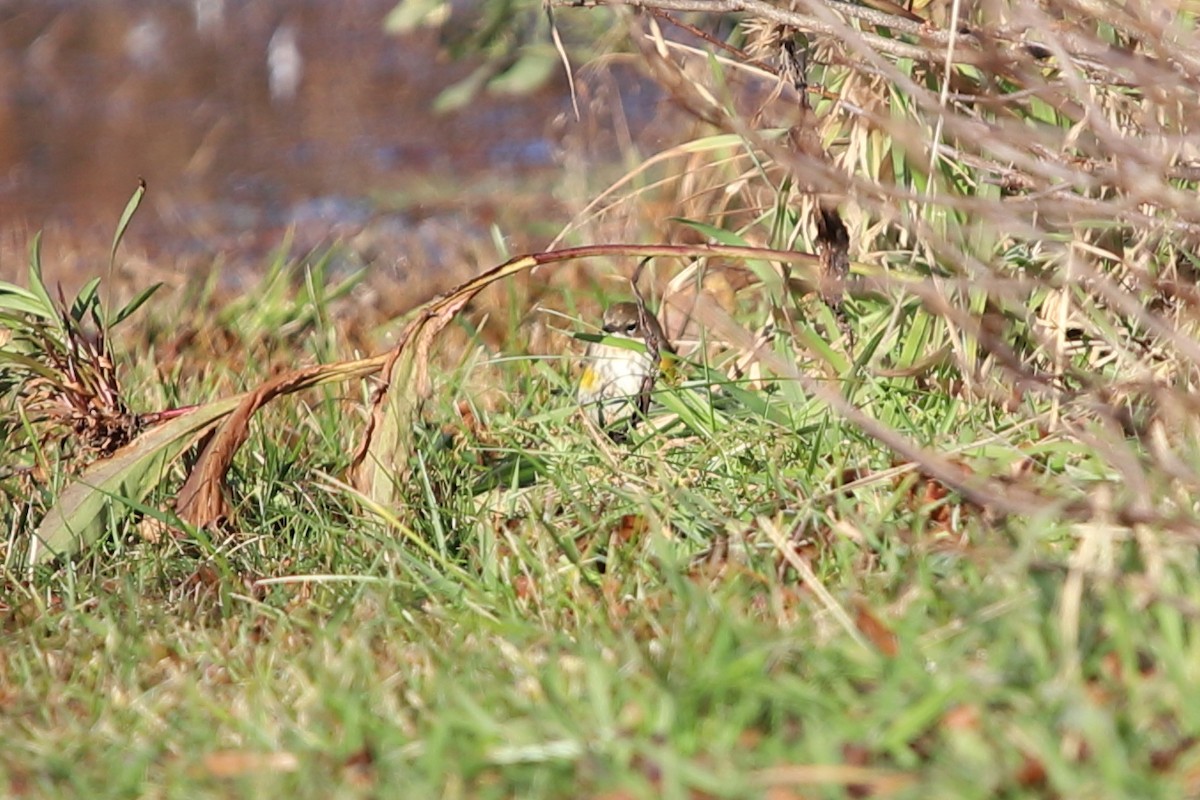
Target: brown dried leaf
x,y
1165,759
873,782
876,631
382,456
79,514
201,501
631,526
359,768
962,718
1032,772
235,763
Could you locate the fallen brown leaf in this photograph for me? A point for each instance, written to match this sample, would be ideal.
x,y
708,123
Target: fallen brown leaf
x,y
235,763
631,526
876,631
202,500
876,782
1031,773
359,768
962,718
1165,759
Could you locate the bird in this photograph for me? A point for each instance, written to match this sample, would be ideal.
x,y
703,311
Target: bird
x,y
617,380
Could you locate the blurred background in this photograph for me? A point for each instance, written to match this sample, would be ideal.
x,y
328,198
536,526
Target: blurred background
x,y
350,121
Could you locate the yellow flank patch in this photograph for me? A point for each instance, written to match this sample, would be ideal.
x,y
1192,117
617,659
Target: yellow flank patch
x,y
589,380
668,367
667,370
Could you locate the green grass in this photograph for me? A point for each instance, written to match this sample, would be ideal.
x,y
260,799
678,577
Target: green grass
x,y
559,616
753,598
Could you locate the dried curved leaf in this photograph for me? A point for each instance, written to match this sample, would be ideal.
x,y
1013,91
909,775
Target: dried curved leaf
x,y
383,453
201,501
82,511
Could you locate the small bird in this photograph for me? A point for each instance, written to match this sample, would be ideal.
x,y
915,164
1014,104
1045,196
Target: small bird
x,y
617,380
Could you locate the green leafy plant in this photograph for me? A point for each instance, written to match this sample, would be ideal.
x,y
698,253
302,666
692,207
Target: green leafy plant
x,y
58,370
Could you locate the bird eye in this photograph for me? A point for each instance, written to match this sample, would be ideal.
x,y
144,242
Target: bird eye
x,y
630,327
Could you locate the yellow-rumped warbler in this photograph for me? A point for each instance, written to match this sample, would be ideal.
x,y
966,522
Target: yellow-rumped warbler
x,y
616,380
